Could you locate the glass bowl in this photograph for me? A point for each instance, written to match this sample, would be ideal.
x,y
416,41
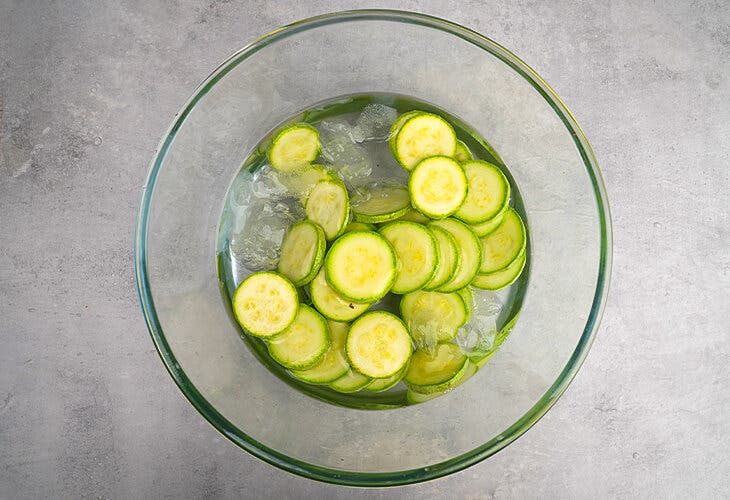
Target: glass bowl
x,y
362,52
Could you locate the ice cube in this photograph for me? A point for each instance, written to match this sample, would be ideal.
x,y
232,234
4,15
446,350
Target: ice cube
x,y
257,245
479,334
240,191
425,334
239,196
486,303
349,160
301,183
268,185
466,339
374,123
476,339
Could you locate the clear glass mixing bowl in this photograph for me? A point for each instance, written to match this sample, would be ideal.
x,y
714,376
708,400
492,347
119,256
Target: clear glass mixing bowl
x,y
362,52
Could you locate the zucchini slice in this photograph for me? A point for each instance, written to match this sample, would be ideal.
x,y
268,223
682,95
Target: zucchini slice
x,y
470,253
429,373
265,304
304,343
462,153
330,304
361,266
328,206
396,126
351,381
381,204
488,192
504,244
416,252
378,344
468,299
294,147
414,397
448,258
334,363
438,186
302,252
358,226
484,228
383,384
502,278
422,135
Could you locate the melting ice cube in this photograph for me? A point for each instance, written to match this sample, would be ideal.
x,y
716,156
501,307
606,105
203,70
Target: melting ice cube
x,y
425,334
480,332
240,192
258,244
268,185
350,160
374,123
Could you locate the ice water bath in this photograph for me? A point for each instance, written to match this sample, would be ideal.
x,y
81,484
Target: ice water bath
x,y
357,150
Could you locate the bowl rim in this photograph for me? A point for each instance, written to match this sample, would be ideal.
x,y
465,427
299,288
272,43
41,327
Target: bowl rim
x,y
459,462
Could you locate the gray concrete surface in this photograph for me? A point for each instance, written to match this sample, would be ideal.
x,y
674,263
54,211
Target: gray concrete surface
x,y
86,407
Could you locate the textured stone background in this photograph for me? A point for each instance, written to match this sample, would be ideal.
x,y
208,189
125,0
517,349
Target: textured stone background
x,y
86,407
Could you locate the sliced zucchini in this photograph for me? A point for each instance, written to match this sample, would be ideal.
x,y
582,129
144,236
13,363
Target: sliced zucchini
x,y
351,381
504,244
381,204
462,153
468,299
361,266
328,206
438,186
414,397
488,192
332,305
378,344
294,147
383,384
397,124
470,253
484,228
422,135
304,343
334,363
416,253
302,252
433,317
358,226
265,304
429,373
414,215
448,258
502,278
442,387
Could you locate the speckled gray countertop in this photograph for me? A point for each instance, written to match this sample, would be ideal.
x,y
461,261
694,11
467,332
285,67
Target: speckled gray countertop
x,y
86,406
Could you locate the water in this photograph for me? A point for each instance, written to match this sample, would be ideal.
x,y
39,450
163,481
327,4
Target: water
x,y
262,204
